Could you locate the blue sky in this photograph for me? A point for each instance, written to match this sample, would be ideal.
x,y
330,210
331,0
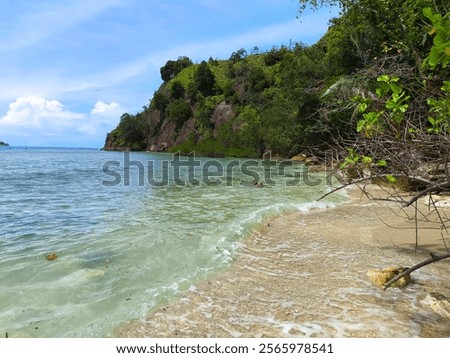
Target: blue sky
x,y
70,68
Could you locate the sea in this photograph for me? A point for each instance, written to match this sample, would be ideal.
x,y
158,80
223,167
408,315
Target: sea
x,y
130,231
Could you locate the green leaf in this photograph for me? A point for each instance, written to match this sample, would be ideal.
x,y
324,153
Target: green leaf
x,y
395,88
397,117
391,104
446,86
360,125
439,40
383,78
362,107
431,102
433,58
427,12
391,179
366,160
381,163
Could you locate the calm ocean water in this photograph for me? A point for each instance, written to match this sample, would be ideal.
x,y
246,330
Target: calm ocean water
x,y
122,249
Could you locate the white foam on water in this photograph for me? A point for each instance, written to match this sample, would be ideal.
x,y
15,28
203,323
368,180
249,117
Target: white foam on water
x,y
304,207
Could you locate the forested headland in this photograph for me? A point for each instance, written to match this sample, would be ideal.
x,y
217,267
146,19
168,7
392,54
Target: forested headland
x,y
379,72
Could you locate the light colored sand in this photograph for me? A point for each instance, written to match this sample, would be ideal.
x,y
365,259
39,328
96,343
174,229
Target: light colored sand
x,y
304,274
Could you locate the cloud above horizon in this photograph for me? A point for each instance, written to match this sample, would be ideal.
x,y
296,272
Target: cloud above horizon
x,y
104,109
36,120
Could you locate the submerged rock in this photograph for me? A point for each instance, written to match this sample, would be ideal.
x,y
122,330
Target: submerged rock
x,y
308,161
381,277
52,256
438,303
299,158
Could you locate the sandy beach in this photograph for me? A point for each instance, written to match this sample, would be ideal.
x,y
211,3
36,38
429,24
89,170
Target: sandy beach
x,y
304,274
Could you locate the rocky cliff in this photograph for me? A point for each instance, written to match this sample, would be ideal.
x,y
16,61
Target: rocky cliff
x,y
163,133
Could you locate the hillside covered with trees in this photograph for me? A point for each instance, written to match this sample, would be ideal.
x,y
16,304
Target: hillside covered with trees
x,y
380,69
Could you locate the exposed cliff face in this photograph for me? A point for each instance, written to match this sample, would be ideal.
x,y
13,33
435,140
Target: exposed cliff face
x,y
222,114
111,144
164,133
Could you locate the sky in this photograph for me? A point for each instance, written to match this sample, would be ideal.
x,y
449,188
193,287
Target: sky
x,y
70,68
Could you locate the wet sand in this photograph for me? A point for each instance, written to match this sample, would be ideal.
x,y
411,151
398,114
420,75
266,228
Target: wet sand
x,y
303,274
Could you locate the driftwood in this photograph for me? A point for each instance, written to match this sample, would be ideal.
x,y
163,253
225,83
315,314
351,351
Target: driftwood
x,y
434,258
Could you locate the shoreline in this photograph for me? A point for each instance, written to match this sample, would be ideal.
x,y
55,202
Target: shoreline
x,y
303,274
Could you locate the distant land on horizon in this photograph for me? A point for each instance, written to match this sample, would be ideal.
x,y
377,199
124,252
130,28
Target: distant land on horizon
x,y
4,144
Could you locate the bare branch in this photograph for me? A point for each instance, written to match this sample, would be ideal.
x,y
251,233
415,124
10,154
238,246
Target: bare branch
x,y
433,188
433,258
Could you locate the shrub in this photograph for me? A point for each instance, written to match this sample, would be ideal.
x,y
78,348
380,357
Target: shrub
x,y
179,111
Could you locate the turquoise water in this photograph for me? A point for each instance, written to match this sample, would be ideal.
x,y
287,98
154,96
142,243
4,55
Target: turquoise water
x,y
122,249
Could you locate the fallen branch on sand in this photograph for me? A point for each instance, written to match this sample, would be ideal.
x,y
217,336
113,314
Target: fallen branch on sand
x,y
433,258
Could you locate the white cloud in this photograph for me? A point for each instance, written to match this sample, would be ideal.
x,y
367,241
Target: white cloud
x,y
36,112
35,120
103,109
103,118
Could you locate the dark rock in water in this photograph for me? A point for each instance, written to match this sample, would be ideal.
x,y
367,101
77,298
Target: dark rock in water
x,y
51,257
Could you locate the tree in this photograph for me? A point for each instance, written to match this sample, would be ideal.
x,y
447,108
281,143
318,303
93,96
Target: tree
x,y
133,131
177,90
238,55
179,111
376,27
159,101
275,55
172,68
204,80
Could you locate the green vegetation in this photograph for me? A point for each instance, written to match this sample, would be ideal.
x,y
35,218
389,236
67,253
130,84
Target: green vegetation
x,y
179,111
408,117
130,133
173,68
381,68
401,101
